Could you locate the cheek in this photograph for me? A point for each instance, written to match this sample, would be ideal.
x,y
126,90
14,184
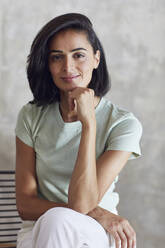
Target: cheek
x,y
87,66
53,70
87,74
87,70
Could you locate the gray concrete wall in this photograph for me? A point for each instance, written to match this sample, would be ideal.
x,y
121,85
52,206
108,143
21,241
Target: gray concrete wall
x,y
133,35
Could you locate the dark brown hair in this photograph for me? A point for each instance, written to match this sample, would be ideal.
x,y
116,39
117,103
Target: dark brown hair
x,y
40,80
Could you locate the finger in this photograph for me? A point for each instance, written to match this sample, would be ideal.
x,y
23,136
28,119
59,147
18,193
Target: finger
x,y
75,105
134,244
134,236
92,92
131,236
128,236
117,239
123,238
71,102
134,239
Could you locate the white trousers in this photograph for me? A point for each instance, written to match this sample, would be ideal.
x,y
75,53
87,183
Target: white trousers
x,y
61,227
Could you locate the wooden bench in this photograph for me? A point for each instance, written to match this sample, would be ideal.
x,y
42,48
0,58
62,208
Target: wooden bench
x,y
10,221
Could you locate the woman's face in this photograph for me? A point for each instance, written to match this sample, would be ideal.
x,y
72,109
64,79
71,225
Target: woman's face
x,y
72,60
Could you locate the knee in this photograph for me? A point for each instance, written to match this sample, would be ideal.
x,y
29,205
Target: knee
x,y
54,225
57,216
59,212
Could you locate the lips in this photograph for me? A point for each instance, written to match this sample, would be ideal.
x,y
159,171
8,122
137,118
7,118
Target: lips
x,y
70,77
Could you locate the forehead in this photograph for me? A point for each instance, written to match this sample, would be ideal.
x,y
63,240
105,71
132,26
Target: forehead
x,y
70,39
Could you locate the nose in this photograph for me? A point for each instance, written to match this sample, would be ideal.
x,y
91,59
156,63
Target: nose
x,y
68,64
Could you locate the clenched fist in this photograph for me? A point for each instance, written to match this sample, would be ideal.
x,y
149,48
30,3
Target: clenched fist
x,y
81,100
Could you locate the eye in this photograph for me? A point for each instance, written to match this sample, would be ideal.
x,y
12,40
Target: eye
x,y
56,57
79,55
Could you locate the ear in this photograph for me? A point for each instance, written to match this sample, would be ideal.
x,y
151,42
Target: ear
x,y
97,59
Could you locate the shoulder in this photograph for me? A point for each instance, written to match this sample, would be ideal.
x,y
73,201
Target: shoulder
x,y
119,116
113,110
123,129
30,108
31,111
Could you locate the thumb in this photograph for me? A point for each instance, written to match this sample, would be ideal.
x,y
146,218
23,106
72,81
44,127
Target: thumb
x,y
71,103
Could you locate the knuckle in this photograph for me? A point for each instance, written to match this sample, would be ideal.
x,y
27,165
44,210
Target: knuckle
x,y
133,234
123,239
112,229
130,244
124,221
91,91
130,238
117,239
114,226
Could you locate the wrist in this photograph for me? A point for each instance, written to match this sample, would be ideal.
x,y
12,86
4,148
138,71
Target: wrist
x,y
89,125
97,212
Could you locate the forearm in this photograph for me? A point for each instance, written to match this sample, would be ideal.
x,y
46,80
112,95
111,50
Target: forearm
x,y
33,207
83,188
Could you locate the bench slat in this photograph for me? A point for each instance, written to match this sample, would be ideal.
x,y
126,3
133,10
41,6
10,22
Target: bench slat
x,y
9,224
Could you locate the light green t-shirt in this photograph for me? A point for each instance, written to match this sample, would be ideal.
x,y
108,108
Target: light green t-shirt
x,y
56,144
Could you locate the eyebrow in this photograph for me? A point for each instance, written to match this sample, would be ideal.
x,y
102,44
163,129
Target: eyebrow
x,y
59,51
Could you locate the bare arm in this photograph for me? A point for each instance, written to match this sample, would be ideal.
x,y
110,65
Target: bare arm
x,y
83,190
29,205
90,178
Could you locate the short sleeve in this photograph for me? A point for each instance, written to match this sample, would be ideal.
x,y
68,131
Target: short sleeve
x,y
125,136
23,126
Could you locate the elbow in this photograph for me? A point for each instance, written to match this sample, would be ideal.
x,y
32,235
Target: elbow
x,y
22,211
83,208
83,205
78,208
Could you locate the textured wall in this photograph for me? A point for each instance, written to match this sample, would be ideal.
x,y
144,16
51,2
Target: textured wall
x,y
132,33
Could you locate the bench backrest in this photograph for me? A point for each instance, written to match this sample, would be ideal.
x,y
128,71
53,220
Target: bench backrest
x,y
10,222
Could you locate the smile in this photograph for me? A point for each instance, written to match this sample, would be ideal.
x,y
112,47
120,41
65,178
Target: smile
x,y
70,77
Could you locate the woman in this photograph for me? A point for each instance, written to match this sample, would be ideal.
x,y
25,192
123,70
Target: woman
x,y
71,143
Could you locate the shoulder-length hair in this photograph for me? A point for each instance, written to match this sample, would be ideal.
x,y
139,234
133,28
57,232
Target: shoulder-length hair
x,y
40,80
